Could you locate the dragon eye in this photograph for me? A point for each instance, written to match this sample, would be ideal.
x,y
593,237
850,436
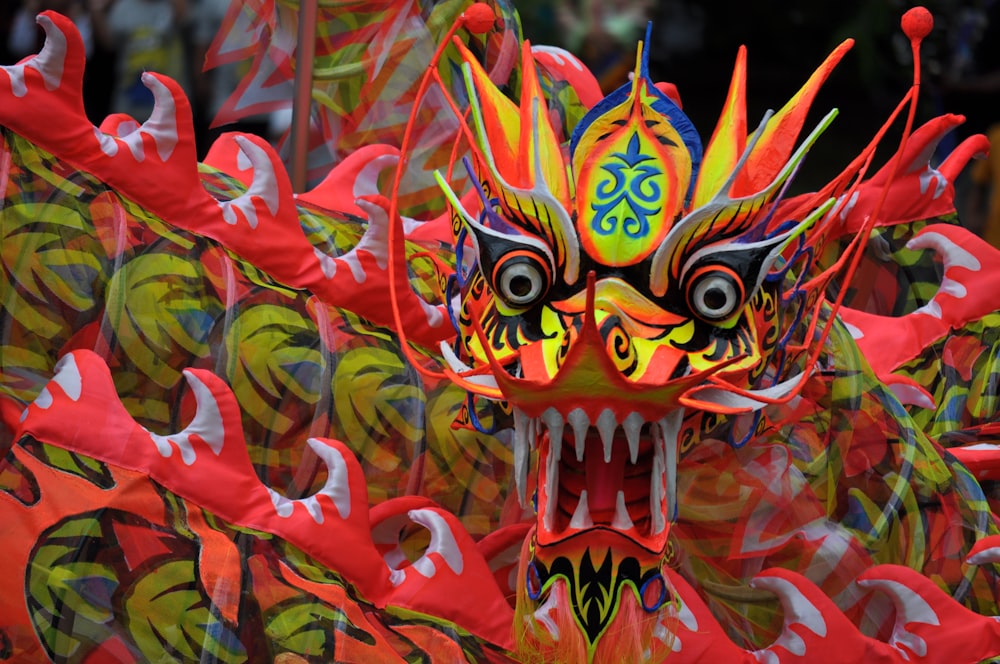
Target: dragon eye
x,y
714,293
521,279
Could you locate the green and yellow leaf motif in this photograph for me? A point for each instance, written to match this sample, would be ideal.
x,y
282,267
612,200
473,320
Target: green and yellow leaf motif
x,y
378,397
308,627
46,265
276,348
92,470
158,308
37,250
467,469
171,620
306,567
44,323
23,370
65,590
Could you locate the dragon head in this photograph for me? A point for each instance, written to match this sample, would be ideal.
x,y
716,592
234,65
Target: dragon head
x,y
617,290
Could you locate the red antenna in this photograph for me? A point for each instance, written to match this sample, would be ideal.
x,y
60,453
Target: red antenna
x,y
917,23
478,19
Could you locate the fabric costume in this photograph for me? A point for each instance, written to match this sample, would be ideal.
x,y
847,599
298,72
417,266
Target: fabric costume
x,y
532,374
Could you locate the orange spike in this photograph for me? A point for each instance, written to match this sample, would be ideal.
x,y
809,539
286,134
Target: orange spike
x,y
530,91
729,138
778,141
547,147
500,118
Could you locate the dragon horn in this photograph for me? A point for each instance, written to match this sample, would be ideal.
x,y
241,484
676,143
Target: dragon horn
x,y
779,137
728,140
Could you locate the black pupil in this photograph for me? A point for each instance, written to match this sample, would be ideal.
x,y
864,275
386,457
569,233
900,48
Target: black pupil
x,y
520,286
715,299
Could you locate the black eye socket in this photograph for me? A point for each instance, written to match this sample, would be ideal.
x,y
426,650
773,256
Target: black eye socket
x,y
715,293
521,279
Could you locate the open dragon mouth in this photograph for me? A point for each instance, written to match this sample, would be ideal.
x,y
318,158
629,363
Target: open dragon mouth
x,y
600,473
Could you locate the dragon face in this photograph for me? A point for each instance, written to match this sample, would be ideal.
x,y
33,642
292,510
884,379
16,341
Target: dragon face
x,y
613,290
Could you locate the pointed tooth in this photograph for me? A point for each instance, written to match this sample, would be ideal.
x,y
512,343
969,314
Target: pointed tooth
x,y
621,520
633,426
337,486
554,423
671,428
581,517
657,480
580,423
50,62
522,450
521,474
659,521
670,438
606,425
551,486
671,485
522,426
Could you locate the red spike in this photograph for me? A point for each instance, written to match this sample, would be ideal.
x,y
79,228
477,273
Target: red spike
x,y
973,147
397,239
777,143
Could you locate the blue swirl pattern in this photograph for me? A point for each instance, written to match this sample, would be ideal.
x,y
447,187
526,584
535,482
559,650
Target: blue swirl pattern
x,y
630,196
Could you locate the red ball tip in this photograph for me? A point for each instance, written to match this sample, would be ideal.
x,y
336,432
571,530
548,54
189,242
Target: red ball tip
x,y
479,18
917,23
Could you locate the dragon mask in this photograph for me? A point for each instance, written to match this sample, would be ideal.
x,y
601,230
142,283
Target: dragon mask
x,y
607,287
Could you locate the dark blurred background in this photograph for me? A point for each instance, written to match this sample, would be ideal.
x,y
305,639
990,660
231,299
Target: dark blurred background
x,y
693,46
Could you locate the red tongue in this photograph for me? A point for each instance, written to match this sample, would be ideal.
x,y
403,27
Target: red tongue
x,y
604,480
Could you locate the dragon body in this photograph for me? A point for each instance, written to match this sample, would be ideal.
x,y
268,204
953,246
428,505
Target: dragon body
x,y
624,398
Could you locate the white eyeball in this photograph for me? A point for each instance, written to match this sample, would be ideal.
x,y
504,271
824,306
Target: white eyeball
x,y
715,295
520,282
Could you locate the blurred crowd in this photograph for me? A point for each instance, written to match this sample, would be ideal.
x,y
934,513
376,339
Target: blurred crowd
x,y
124,38
692,46
971,86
